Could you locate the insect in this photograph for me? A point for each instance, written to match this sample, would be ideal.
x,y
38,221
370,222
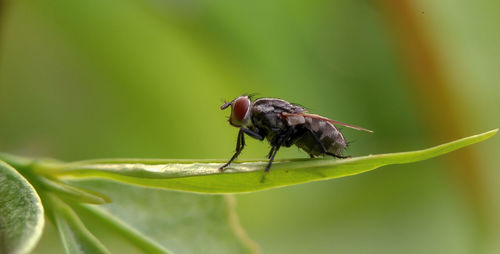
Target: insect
x,y
284,124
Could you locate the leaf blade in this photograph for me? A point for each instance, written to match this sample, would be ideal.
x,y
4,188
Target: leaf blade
x,y
74,235
71,192
175,222
204,177
21,212
131,234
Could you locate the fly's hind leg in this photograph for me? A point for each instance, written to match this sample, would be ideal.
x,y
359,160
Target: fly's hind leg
x,y
338,156
323,149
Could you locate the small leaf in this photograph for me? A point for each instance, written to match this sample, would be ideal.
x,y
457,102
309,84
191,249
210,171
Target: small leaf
x,y
68,191
21,212
204,176
75,237
161,221
122,227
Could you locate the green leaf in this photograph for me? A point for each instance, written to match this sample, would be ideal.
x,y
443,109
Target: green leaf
x,y
75,237
204,176
21,212
68,191
175,222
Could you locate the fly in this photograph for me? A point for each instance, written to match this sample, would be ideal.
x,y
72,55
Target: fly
x,y
285,124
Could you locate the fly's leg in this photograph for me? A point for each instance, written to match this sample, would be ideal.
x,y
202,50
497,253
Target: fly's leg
x,y
338,156
240,143
276,144
323,149
270,153
273,152
253,134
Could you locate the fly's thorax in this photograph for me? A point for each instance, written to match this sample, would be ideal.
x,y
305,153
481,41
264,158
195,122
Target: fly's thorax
x,y
267,114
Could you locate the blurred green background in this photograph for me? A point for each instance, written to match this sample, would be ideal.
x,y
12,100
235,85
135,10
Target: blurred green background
x,y
145,78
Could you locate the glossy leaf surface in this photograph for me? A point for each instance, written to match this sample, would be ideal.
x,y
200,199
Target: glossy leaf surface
x,y
205,177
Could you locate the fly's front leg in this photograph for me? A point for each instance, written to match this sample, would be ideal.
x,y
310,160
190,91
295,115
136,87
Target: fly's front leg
x,y
253,134
240,143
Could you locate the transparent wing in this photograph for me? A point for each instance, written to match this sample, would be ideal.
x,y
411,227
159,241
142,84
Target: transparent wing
x,y
326,120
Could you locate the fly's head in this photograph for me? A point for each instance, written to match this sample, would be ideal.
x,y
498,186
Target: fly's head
x,y
240,111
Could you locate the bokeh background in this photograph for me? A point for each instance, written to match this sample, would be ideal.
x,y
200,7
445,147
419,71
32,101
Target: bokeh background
x,y
145,78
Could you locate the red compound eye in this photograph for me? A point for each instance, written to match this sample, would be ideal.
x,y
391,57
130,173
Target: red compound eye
x,y
240,108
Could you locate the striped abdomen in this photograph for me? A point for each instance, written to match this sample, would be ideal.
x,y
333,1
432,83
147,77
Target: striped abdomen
x,y
326,133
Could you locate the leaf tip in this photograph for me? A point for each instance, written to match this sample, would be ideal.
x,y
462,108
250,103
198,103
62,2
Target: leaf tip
x,y
489,134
